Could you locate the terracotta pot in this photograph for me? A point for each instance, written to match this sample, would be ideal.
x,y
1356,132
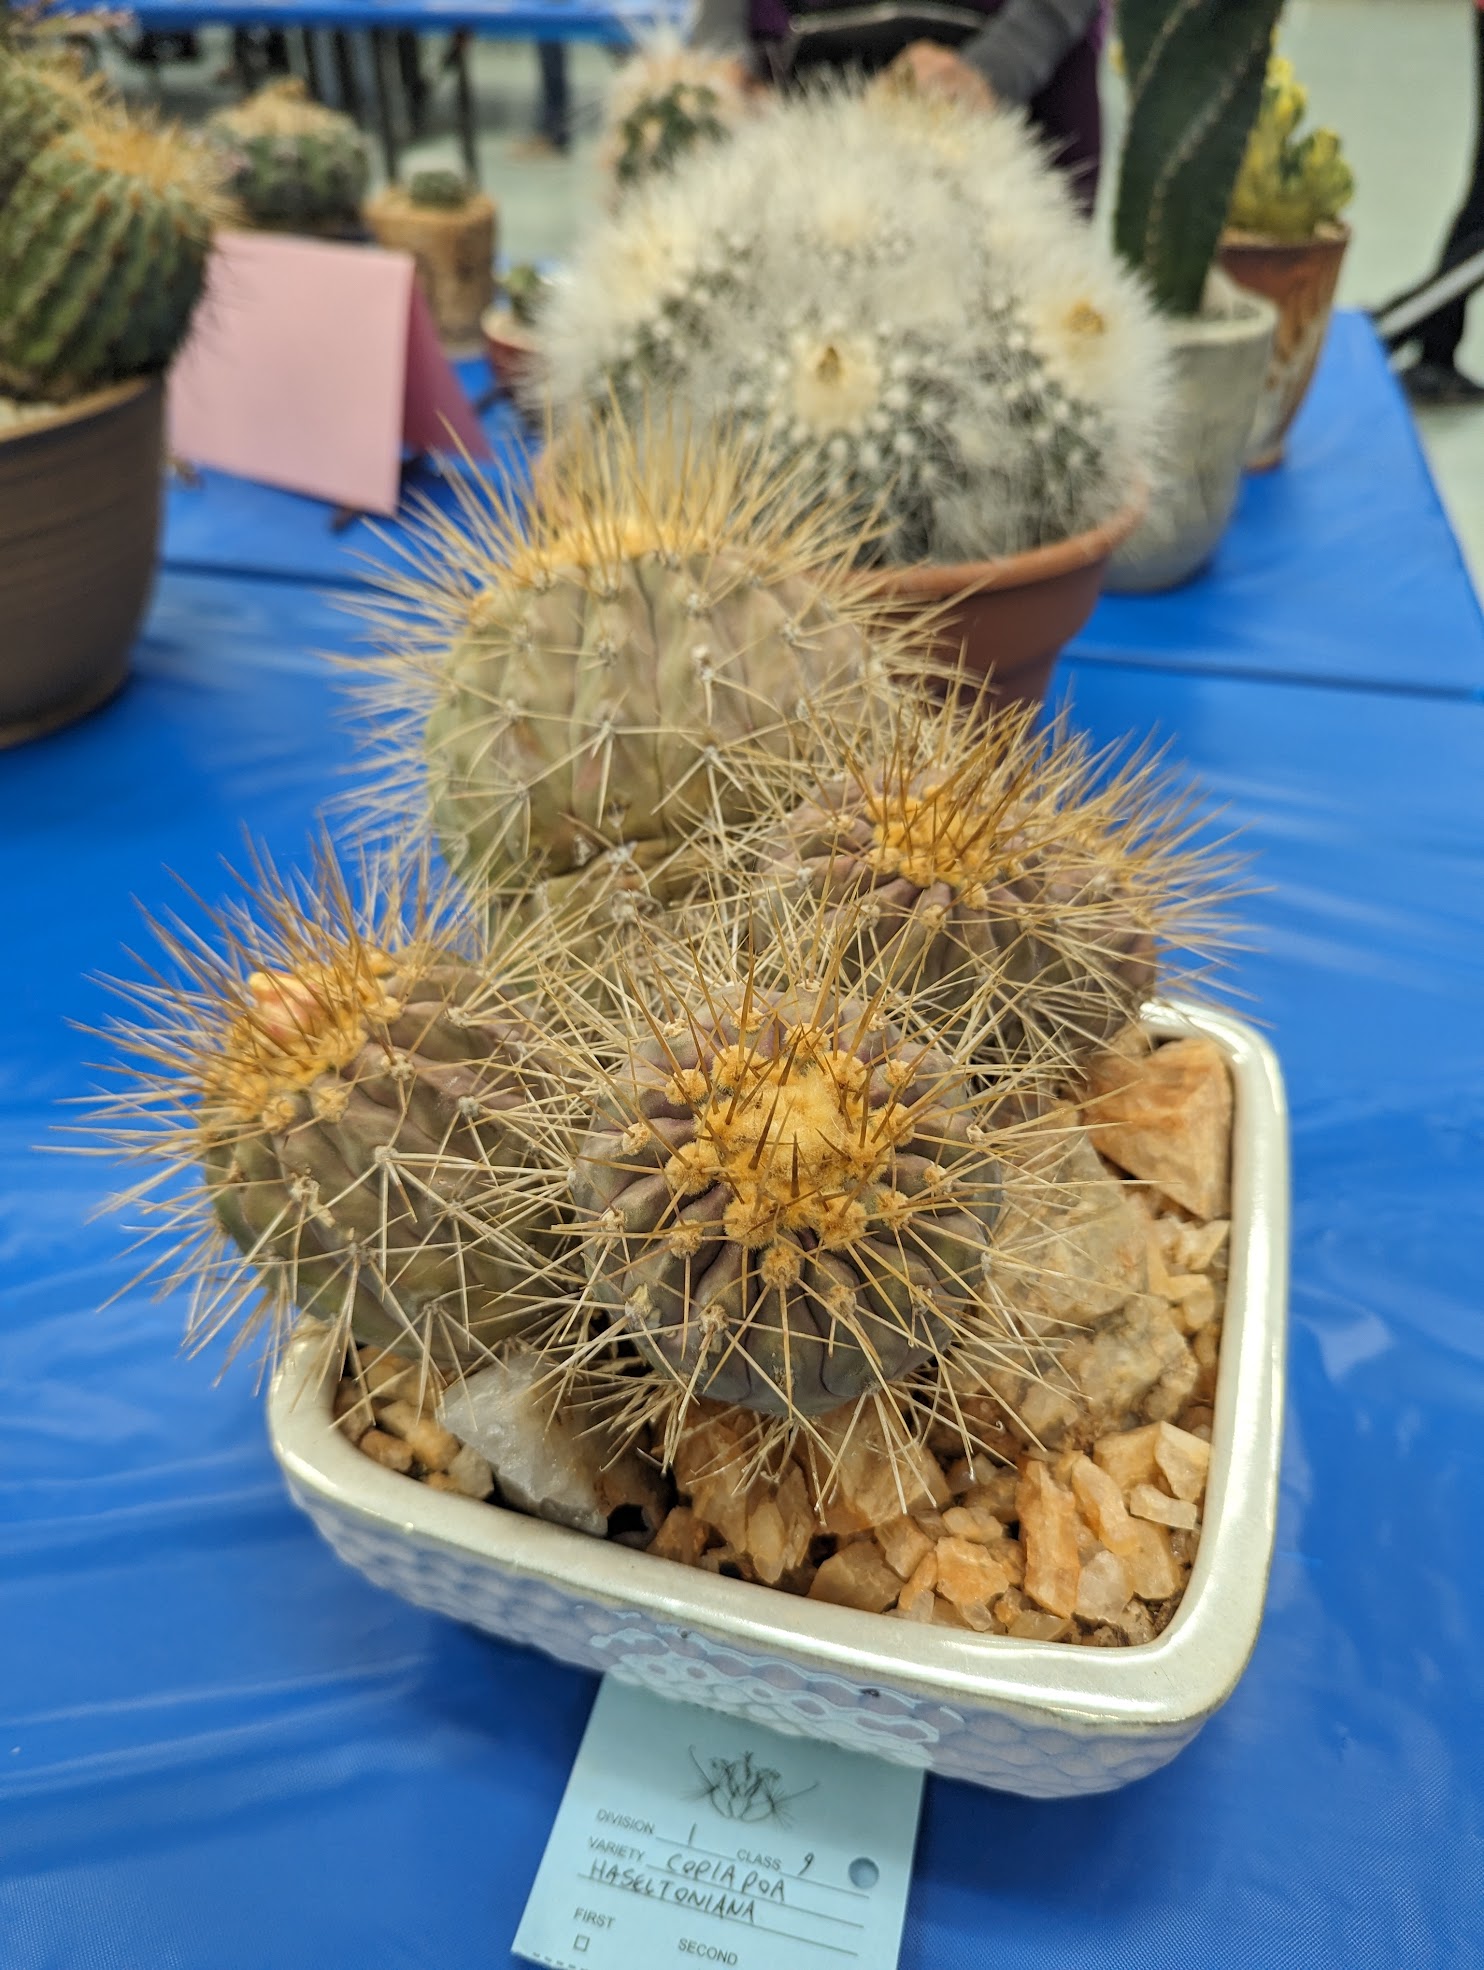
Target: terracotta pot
x,y
512,351
454,249
1009,620
79,522
1219,359
1299,277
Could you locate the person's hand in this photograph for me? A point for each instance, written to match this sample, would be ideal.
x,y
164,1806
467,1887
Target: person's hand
x,y
937,71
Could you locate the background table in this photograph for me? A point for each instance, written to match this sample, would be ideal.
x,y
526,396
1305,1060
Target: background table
x,y
609,23
221,1750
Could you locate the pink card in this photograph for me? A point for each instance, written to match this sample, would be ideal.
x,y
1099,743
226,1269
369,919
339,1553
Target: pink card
x,y
310,366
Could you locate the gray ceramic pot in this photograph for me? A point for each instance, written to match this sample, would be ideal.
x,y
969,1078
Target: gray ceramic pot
x,y
1220,360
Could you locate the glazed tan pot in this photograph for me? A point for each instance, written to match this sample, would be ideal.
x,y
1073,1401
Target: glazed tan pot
x,y
80,496
1036,1718
454,250
1219,361
1007,621
1299,277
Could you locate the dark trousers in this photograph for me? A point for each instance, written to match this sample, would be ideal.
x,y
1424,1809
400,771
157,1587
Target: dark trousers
x,y
555,105
1441,333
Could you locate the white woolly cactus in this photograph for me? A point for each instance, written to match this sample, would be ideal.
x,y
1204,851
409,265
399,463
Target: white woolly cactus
x,y
896,290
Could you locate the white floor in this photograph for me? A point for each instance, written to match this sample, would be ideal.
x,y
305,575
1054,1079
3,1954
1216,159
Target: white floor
x,y
1395,77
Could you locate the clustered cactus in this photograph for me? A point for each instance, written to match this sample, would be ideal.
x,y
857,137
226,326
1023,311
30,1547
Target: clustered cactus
x,y
897,290
106,222
292,163
1289,186
747,1147
1196,71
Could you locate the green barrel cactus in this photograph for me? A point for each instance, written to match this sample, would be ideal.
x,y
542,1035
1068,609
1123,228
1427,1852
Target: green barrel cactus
x,y
103,248
1195,71
39,99
292,163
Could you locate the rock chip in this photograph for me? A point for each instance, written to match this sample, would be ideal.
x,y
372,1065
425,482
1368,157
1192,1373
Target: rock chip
x,y
1166,1119
1147,1501
1048,1532
1071,1242
1183,1460
542,1463
1105,1588
857,1576
1133,1364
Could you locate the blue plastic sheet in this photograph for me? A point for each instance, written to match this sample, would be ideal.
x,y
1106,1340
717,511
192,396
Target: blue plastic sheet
x,y
222,1750
505,20
1340,567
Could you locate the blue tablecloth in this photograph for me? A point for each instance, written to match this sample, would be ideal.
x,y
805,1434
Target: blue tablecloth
x,y
221,524
1341,568
221,1750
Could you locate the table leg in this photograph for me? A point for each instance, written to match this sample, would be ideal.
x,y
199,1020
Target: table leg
x,y
345,70
459,56
383,50
311,64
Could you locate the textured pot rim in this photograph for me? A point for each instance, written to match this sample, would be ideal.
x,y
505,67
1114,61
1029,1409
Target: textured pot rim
x,y
1332,236
950,581
94,404
500,325
1175,1681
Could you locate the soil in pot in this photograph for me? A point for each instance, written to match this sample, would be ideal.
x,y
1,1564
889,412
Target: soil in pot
x,y
1220,359
1079,1525
1008,620
1299,277
80,493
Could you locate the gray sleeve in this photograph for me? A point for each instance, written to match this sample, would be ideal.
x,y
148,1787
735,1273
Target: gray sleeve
x,y
721,24
1020,50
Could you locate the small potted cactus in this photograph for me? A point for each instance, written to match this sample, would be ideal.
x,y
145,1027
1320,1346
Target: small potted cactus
x,y
1195,71
449,228
900,291
1285,239
105,225
509,330
293,165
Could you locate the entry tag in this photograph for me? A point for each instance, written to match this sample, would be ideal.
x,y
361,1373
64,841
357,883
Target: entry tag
x,y
691,1839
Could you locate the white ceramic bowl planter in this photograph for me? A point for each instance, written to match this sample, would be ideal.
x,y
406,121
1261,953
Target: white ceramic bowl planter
x,y
1038,1718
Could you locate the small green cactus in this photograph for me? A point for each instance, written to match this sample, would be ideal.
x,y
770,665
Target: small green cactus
x,y
444,191
103,246
1195,72
1289,186
292,163
525,288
